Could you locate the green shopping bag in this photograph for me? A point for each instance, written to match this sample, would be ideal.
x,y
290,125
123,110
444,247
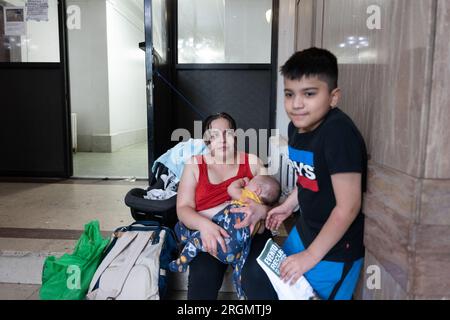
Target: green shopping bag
x,y
68,277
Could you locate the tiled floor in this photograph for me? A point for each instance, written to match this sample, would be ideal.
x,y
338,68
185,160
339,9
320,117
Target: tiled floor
x,y
19,291
40,217
31,292
66,204
131,161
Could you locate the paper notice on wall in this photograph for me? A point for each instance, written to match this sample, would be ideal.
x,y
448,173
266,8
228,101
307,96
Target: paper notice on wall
x,y
37,10
15,24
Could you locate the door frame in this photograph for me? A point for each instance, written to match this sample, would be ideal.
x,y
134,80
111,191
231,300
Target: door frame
x,y
148,21
152,79
65,99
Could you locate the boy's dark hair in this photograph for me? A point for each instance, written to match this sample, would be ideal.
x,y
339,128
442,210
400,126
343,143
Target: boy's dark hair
x,y
313,62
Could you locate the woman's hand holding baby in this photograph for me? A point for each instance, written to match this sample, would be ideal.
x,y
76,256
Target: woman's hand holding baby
x,y
254,212
211,234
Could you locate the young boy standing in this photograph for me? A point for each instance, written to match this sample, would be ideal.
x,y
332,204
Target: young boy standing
x,y
330,158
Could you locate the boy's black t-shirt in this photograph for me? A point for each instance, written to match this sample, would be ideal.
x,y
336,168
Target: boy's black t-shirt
x,y
336,146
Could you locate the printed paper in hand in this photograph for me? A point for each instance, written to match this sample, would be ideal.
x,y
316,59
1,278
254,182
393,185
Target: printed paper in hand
x,y
270,260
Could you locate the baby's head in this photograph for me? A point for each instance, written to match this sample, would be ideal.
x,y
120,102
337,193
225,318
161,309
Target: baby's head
x,y
266,188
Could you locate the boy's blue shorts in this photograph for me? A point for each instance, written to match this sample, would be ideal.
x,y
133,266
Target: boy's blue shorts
x,y
327,277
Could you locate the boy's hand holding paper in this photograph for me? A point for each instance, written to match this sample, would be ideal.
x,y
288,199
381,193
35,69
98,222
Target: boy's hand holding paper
x,y
270,260
296,265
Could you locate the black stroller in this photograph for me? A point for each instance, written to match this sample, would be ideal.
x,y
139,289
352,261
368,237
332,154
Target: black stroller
x,y
163,211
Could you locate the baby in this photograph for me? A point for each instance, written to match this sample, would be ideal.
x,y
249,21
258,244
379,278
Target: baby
x,y
261,189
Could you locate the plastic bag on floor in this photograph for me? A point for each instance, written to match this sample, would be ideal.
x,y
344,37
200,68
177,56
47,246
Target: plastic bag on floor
x,y
68,277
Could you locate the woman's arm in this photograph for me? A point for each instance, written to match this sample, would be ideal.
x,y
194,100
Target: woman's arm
x,y
186,198
254,212
210,233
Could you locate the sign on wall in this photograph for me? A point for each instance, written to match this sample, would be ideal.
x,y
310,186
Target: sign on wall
x,y
15,24
37,10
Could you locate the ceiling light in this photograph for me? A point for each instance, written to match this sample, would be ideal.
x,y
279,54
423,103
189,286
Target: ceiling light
x,y
269,16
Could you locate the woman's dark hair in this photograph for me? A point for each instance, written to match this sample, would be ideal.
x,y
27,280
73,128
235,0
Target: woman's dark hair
x,y
221,115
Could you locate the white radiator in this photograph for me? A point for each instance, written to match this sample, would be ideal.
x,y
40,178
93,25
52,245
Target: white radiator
x,y
74,131
280,166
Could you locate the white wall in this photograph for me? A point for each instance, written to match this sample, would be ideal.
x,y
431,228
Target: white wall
x,y
107,74
88,68
286,47
126,67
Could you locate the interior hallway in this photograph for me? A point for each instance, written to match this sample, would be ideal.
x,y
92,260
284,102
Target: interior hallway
x,y
41,218
128,162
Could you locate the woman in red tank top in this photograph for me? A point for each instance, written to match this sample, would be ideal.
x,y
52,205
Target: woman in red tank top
x,y
203,186
209,195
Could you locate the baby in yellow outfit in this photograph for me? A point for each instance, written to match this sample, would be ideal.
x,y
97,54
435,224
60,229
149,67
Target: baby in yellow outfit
x,y
261,189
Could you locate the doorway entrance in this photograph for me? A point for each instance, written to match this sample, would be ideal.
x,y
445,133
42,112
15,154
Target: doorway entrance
x,y
108,89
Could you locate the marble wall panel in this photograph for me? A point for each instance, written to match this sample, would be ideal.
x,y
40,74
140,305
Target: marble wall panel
x,y
438,148
435,202
387,237
390,191
385,74
432,262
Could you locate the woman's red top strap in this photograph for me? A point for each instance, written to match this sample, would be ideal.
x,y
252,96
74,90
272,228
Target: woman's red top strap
x,y
209,195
